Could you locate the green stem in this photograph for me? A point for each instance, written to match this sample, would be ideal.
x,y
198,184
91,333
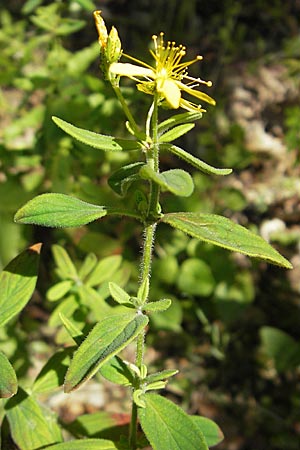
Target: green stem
x,y
125,108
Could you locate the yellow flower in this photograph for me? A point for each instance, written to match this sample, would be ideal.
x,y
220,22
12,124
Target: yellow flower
x,y
167,77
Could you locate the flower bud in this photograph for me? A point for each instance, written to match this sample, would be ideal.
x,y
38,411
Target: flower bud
x,y
113,49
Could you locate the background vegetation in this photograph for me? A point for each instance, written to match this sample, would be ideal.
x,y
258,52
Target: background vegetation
x,y
234,327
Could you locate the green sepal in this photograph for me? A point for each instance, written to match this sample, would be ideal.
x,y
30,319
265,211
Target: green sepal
x,y
159,305
121,180
176,181
223,232
167,426
17,282
58,210
178,119
8,378
105,340
196,162
176,132
96,140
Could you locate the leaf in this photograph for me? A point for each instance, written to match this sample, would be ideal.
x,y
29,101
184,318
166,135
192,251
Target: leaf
x,y
104,270
159,305
8,378
85,444
100,141
31,426
281,347
17,282
116,371
52,374
121,180
176,181
88,265
67,306
118,294
196,278
159,376
64,262
176,132
210,430
59,290
168,427
225,233
58,210
75,333
178,119
105,340
198,163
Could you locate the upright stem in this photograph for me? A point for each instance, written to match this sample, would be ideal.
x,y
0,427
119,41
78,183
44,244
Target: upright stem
x,y
125,107
149,232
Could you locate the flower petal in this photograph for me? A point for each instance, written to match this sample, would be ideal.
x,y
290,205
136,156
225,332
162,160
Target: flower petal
x,y
130,70
198,94
171,92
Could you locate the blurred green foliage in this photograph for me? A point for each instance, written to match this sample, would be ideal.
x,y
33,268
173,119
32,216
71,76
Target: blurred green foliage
x,y
238,320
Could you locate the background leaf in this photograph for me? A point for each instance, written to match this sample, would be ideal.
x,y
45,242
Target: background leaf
x,y
8,378
17,282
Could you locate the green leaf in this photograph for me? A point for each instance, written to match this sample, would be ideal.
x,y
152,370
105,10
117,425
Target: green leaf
x,y
196,278
67,307
281,347
118,294
31,426
104,270
200,165
210,430
105,340
159,305
100,141
64,262
121,180
88,265
176,181
176,132
59,210
59,290
116,371
225,233
75,333
168,427
17,282
53,373
85,444
178,119
8,378
159,376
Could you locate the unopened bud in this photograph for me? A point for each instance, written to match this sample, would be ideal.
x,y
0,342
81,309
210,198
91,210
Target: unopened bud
x,y
113,48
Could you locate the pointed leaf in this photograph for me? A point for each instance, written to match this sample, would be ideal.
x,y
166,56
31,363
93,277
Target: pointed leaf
x,y
225,233
121,180
59,210
168,427
100,141
210,430
176,181
8,378
17,282
104,270
53,373
75,333
85,444
64,262
118,294
159,305
105,340
200,165
88,265
178,119
159,376
116,371
59,290
31,426
176,132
